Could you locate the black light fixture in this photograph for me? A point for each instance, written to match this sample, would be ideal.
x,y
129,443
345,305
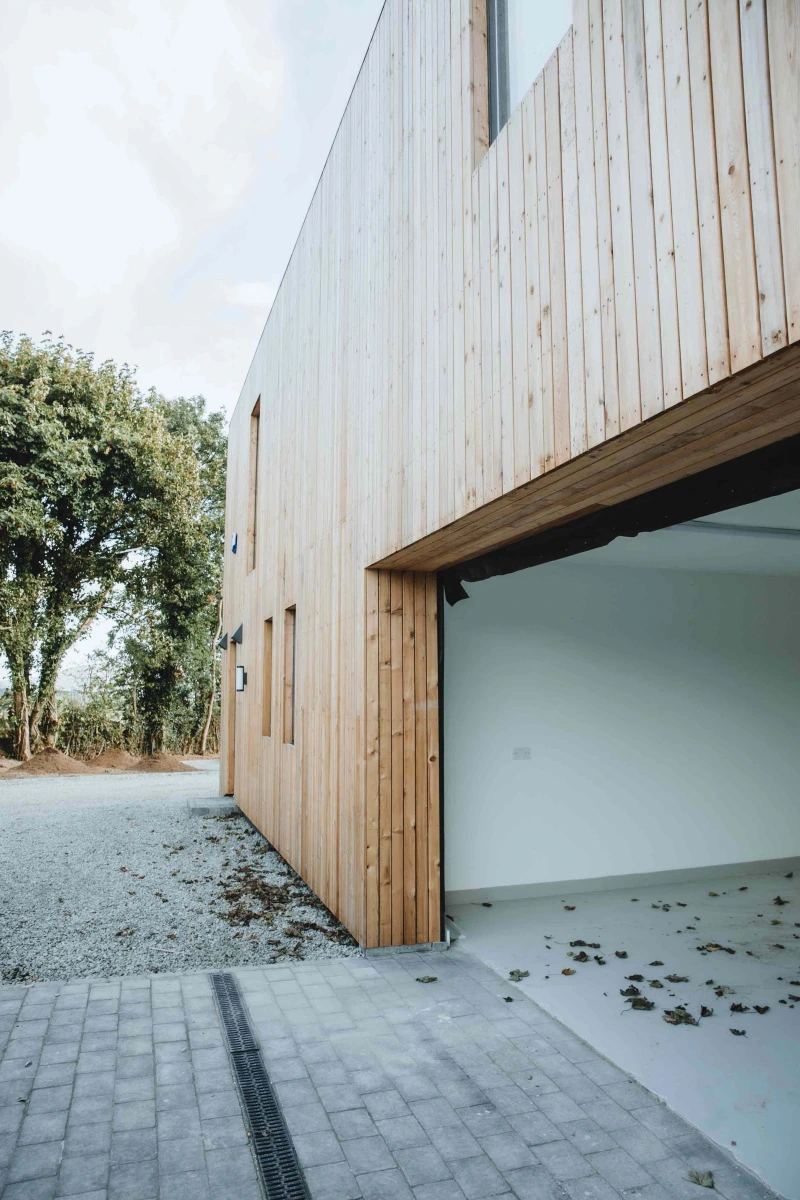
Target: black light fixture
x,y
237,637
222,644
234,543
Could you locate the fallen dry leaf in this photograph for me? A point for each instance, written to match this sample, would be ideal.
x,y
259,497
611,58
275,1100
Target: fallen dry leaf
x,y
761,1008
706,1012
779,900
427,979
569,908
635,978
568,971
740,1008
641,1004
629,991
656,963
655,983
517,974
701,1178
739,1032
679,1016
621,953
677,978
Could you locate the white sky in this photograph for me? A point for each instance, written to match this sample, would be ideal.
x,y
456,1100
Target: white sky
x,y
157,158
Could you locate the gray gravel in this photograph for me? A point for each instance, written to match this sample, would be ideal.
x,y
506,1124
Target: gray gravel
x,y
114,876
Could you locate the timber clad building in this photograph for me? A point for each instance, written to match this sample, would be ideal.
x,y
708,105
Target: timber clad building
x,y
535,303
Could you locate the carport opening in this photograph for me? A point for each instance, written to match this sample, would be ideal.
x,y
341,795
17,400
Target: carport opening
x,y
633,707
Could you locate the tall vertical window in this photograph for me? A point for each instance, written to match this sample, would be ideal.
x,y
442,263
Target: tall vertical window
x,y
289,672
522,36
252,485
266,693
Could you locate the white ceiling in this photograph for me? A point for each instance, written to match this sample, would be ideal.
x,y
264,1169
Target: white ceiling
x,y
690,549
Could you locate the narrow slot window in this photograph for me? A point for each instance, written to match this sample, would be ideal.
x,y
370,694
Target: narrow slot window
x,y
289,673
522,36
252,485
266,702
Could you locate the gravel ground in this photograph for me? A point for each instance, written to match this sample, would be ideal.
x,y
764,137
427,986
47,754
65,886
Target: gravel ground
x,y
113,876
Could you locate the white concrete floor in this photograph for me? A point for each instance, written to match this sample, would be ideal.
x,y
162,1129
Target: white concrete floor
x,y
744,1092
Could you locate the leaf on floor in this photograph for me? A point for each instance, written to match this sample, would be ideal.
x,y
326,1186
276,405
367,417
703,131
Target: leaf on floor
x,y
635,978
601,962
629,991
775,921
517,974
679,1016
779,900
427,979
739,1032
568,971
582,957
742,889
778,946
641,1004
126,931
677,978
656,983
713,893
634,899
790,875
508,999
761,1009
722,990
656,963
740,1008
701,1178
710,947
705,1011
621,953
680,904
486,904
590,945
569,908
795,998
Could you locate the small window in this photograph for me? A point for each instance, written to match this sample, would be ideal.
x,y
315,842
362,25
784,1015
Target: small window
x,y
523,34
289,672
252,485
266,700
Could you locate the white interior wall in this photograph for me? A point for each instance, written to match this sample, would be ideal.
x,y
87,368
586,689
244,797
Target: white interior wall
x,y
661,708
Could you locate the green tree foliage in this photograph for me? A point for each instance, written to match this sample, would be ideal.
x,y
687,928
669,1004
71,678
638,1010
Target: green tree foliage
x,y
110,501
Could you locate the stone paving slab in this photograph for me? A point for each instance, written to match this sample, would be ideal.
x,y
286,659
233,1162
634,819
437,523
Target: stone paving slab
x,y
392,1090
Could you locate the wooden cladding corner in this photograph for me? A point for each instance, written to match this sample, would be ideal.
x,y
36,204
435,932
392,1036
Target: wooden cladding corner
x,y
403,853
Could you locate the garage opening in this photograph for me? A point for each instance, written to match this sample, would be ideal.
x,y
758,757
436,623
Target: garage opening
x,y
621,766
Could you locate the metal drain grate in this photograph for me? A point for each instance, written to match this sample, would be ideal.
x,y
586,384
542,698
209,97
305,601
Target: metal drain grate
x,y
235,1020
274,1151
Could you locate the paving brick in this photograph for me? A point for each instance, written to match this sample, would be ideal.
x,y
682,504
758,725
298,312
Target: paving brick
x,y
334,1181
422,1164
219,1104
661,1121
559,1108
608,1115
563,1161
315,1149
478,1177
433,1114
389,1103
595,1188
447,1189
100,1084
484,1119
42,1127
87,1139
193,1185
89,1109
133,1145
642,1145
400,1133
231,1168
454,1142
415,1085
338,1098
306,1118
619,1169
384,1185
587,1136
222,1132
134,1114
507,1151
535,1183
462,1093
11,1118
182,1122
52,1099
34,1189
180,1155
84,1174
34,1162
367,1154
133,1181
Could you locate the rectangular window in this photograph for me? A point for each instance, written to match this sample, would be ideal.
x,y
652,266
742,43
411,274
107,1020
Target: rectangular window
x,y
266,696
523,34
289,672
252,485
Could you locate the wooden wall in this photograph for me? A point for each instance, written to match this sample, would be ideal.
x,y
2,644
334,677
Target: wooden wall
x,y
464,336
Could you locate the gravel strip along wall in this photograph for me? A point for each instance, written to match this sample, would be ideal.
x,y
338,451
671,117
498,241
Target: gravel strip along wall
x,y
114,877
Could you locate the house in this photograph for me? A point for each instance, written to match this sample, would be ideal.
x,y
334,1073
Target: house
x,y
538,345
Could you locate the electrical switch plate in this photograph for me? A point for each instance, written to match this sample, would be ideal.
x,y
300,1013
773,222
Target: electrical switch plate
x,y
521,752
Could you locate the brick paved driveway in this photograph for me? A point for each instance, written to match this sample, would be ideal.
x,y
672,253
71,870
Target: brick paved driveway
x,y
392,1090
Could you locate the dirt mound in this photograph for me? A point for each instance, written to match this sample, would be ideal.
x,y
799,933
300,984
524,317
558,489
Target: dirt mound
x,y
115,760
161,762
52,762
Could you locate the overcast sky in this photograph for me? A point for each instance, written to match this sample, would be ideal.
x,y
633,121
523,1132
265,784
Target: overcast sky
x,y
158,157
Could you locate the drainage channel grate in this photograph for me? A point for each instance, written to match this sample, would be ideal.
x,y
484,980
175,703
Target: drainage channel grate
x,y
280,1171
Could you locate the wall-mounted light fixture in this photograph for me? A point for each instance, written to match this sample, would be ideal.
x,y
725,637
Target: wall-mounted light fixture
x,y
236,637
222,644
241,678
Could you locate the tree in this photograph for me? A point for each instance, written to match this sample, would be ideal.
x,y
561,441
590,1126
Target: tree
x,y
169,616
95,493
